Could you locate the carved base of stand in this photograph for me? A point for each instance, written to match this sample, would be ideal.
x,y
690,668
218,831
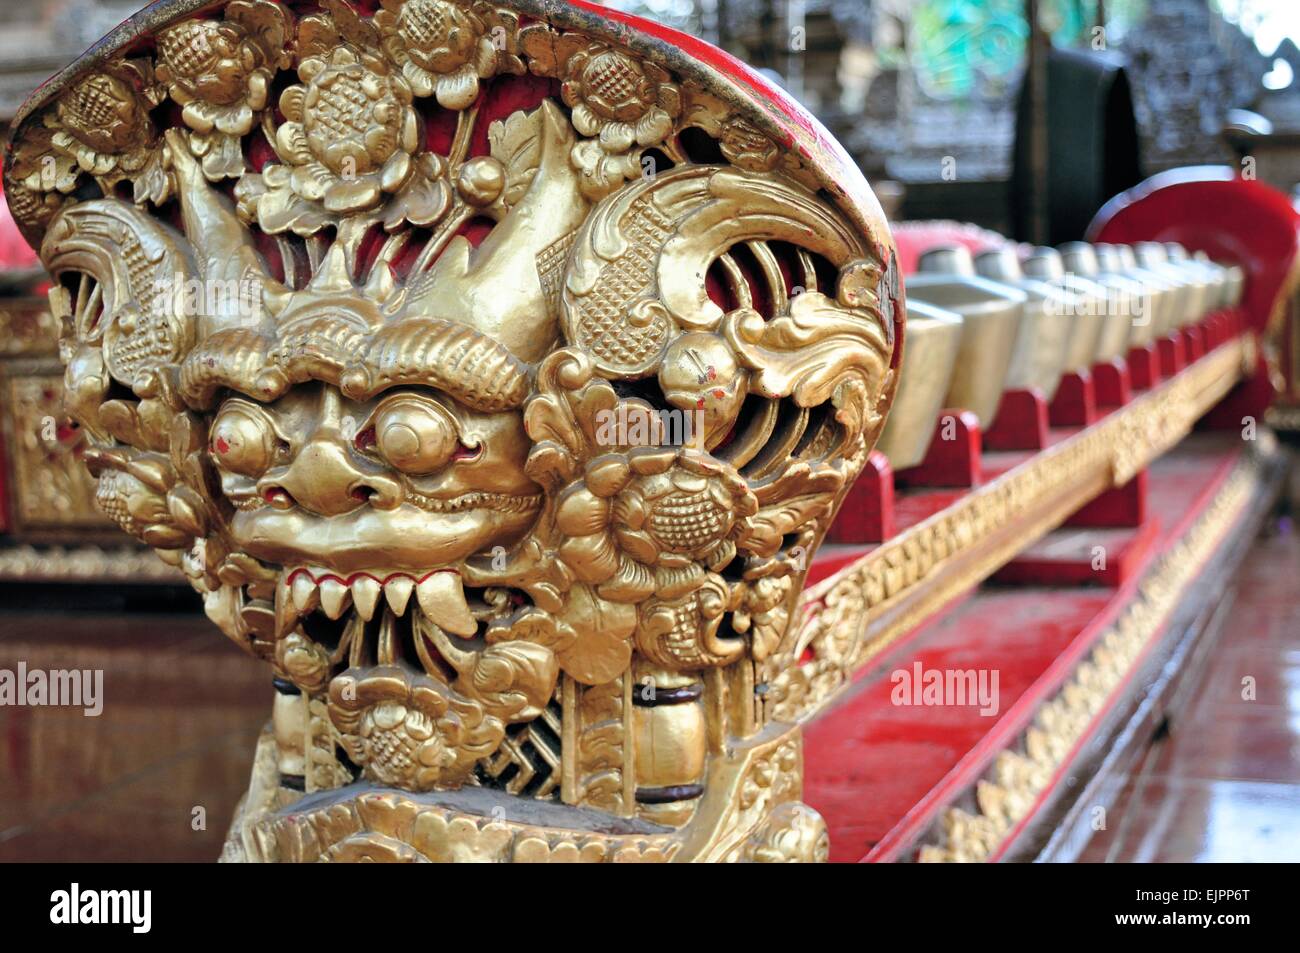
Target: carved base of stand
x,y
1075,403
1144,367
1114,387
953,459
750,813
1021,422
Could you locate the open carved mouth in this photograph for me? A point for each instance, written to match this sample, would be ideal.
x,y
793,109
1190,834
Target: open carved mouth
x,y
439,595
428,620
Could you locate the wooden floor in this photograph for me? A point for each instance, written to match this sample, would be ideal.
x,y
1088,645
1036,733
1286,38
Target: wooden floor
x,y
154,777
1222,781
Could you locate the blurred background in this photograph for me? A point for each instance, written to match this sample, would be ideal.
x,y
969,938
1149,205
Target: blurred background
x,y
1021,117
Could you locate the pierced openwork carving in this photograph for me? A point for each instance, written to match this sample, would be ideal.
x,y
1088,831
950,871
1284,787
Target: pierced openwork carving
x,y
493,379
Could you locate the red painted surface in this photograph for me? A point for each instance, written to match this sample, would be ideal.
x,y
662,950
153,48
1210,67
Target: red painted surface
x,y
1082,557
1123,506
879,772
1021,422
1144,367
1193,343
953,459
1223,784
1075,403
867,514
1113,385
1173,355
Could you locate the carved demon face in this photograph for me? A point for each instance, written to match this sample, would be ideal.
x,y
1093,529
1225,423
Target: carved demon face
x,y
506,418
397,484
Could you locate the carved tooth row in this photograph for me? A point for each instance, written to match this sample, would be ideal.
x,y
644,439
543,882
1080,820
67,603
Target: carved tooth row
x,y
441,596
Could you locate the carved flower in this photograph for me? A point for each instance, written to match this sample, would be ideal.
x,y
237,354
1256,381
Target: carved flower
x,y
650,521
613,95
350,132
103,124
445,48
408,730
220,73
350,137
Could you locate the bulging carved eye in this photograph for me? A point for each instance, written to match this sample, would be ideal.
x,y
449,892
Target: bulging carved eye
x,y
243,441
415,435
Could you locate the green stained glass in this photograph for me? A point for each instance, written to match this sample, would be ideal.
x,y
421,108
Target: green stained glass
x,y
961,48
976,48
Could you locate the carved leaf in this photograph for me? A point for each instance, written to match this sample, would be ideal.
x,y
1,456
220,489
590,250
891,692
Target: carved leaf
x,y
517,143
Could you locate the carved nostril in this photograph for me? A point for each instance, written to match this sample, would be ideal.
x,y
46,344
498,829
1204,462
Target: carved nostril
x,y
377,491
464,453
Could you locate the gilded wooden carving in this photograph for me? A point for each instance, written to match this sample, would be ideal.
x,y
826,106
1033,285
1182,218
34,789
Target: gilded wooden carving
x,y
493,372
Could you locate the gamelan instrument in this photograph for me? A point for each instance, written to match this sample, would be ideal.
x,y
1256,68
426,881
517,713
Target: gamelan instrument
x,y
495,370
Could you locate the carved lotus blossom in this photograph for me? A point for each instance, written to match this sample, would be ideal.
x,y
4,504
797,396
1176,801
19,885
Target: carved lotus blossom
x,y
407,730
614,96
220,73
650,520
350,133
443,48
350,138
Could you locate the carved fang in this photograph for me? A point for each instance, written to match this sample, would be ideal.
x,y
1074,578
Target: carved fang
x,y
442,599
459,659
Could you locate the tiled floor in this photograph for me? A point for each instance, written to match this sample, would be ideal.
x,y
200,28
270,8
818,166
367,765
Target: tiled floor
x,y
1224,783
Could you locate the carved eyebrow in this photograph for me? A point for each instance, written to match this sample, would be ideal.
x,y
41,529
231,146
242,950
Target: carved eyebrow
x,y
455,359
